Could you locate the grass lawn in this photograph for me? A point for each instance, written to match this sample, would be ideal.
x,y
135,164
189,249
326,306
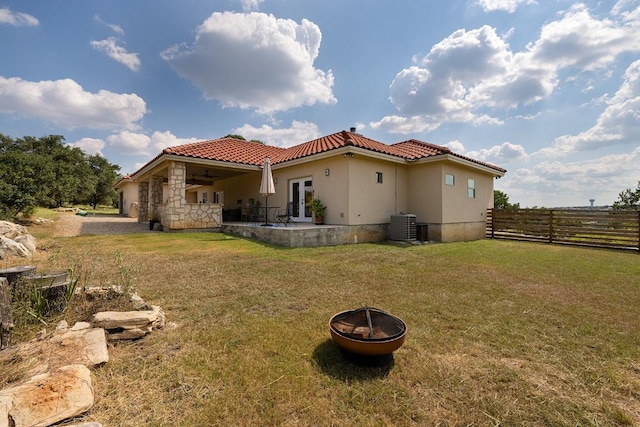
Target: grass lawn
x,y
499,333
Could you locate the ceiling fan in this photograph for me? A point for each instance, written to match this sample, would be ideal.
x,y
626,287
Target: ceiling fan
x,y
198,179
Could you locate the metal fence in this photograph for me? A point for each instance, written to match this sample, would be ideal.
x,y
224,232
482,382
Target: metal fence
x,y
583,227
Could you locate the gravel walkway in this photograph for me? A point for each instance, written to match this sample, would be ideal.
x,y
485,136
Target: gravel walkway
x,y
69,225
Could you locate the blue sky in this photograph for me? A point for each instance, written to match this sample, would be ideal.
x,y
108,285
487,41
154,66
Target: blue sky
x,y
547,89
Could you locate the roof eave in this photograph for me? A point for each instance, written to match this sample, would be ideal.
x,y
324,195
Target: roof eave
x,y
497,172
157,164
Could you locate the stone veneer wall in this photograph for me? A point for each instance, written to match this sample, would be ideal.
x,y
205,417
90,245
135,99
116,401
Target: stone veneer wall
x,y
156,195
177,214
143,201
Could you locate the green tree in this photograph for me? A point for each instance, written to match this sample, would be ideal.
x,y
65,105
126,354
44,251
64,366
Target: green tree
x,y
628,199
501,201
105,175
46,172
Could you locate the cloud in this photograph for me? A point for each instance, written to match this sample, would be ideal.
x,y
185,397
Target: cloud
x,y
161,140
471,73
249,5
503,5
455,146
132,143
66,104
255,61
90,145
17,19
618,124
574,183
284,137
501,154
117,53
115,28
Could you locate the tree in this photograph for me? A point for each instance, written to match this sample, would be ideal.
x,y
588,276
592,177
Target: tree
x,y
106,175
501,201
46,172
628,199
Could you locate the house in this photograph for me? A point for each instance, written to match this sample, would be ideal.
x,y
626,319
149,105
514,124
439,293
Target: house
x,y
361,181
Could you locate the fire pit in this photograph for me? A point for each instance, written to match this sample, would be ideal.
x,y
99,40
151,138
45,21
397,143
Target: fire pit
x,y
367,331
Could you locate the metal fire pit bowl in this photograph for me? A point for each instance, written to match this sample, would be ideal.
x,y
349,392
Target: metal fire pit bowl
x,y
367,331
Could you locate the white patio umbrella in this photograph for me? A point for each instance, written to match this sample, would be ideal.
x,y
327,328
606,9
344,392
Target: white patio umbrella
x,y
267,187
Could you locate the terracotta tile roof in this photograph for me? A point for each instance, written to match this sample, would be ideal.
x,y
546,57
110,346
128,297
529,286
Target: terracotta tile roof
x,y
415,149
253,153
227,150
336,140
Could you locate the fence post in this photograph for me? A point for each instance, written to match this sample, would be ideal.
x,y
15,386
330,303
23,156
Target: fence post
x,y
550,225
493,222
638,231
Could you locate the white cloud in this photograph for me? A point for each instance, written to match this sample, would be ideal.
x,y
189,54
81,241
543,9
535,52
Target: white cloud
x,y
117,53
455,146
255,61
132,143
17,19
618,124
249,5
299,132
574,183
90,145
115,28
501,154
161,140
473,71
66,104
503,5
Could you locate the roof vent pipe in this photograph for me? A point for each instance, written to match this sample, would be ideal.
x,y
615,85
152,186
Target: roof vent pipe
x,y
353,130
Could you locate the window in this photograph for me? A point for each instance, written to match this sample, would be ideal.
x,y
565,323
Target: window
x,y
471,188
449,179
379,177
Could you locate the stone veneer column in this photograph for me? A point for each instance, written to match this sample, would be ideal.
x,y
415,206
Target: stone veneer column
x,y
176,201
156,195
143,201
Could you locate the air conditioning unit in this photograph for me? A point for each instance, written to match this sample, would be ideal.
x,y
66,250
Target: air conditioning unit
x,y
403,227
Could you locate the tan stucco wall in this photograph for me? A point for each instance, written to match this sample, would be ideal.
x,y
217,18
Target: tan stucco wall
x,y
129,192
372,202
450,214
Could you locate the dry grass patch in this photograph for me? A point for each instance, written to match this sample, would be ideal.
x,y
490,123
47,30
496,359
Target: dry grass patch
x,y
499,333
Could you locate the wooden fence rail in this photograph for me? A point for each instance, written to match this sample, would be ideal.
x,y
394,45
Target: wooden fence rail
x,y
584,227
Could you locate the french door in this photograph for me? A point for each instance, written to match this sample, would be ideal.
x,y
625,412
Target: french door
x,y
300,195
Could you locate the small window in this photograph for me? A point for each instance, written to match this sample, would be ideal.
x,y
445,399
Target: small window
x,y
449,179
379,177
471,188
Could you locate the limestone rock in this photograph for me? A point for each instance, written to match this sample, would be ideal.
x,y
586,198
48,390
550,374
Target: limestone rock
x,y
11,230
28,241
48,398
130,324
10,247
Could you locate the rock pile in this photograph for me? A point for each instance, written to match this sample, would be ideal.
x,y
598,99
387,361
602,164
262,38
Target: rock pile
x,y
58,380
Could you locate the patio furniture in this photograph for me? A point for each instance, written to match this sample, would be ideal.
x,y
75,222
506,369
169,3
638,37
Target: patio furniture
x,y
284,215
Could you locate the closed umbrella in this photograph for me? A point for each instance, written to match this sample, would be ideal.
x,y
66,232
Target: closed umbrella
x,y
267,187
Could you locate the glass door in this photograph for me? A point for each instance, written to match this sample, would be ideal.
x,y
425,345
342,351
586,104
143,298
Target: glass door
x,y
301,194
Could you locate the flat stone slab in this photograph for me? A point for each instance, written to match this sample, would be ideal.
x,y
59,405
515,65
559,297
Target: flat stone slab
x,y
80,344
47,398
129,324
